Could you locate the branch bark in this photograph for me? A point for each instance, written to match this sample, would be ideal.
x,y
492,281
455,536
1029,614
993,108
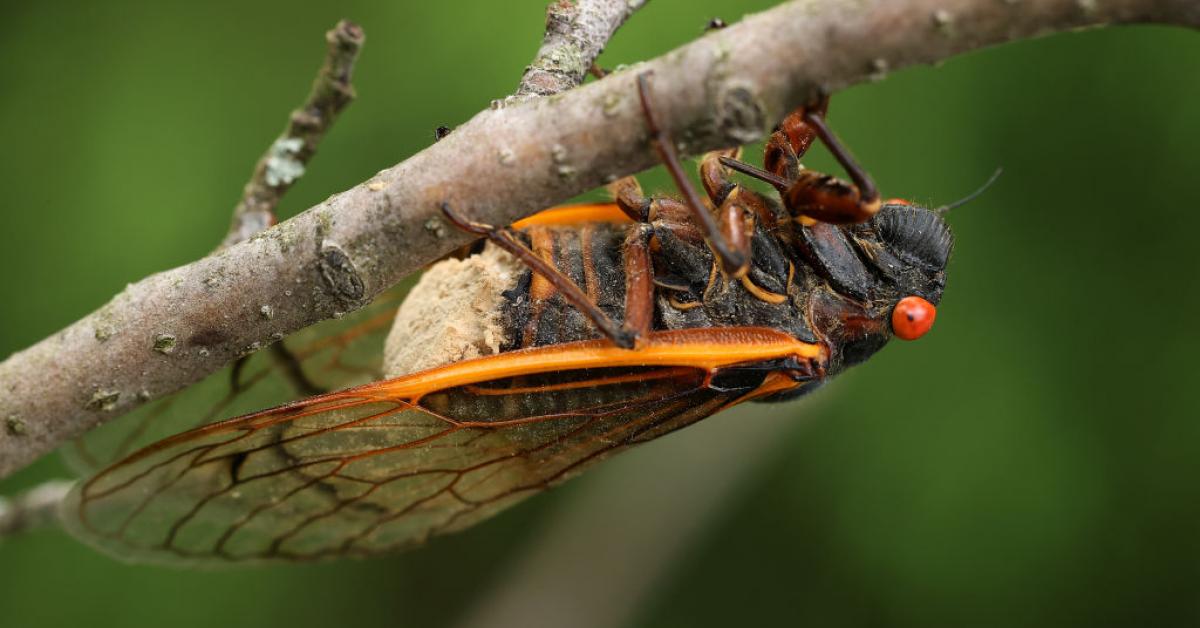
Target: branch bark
x,y
576,33
726,88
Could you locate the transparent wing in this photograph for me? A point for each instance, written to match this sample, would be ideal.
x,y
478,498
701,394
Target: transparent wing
x,y
331,355
376,468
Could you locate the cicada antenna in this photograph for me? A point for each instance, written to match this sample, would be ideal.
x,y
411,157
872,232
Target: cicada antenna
x,y
973,195
775,180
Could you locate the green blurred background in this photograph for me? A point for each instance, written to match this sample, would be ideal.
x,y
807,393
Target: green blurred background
x,y
1034,461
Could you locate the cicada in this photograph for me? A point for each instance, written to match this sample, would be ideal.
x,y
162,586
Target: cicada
x,y
564,339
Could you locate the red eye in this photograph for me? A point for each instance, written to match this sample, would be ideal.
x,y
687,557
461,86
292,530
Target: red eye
x,y
912,318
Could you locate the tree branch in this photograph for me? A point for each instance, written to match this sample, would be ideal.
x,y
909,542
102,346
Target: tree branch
x,y
576,33
286,158
173,328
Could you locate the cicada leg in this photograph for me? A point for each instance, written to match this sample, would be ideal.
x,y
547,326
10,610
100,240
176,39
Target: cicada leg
x,y
713,174
726,194
733,259
807,193
627,194
791,140
639,280
740,204
829,199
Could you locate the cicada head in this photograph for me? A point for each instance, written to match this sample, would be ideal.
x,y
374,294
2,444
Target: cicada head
x,y
884,278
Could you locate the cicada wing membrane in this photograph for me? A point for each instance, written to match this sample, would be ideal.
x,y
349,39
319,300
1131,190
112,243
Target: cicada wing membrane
x,y
331,355
370,470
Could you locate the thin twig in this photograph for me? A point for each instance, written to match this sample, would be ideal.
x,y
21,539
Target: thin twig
x,y
33,508
727,88
286,158
576,33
